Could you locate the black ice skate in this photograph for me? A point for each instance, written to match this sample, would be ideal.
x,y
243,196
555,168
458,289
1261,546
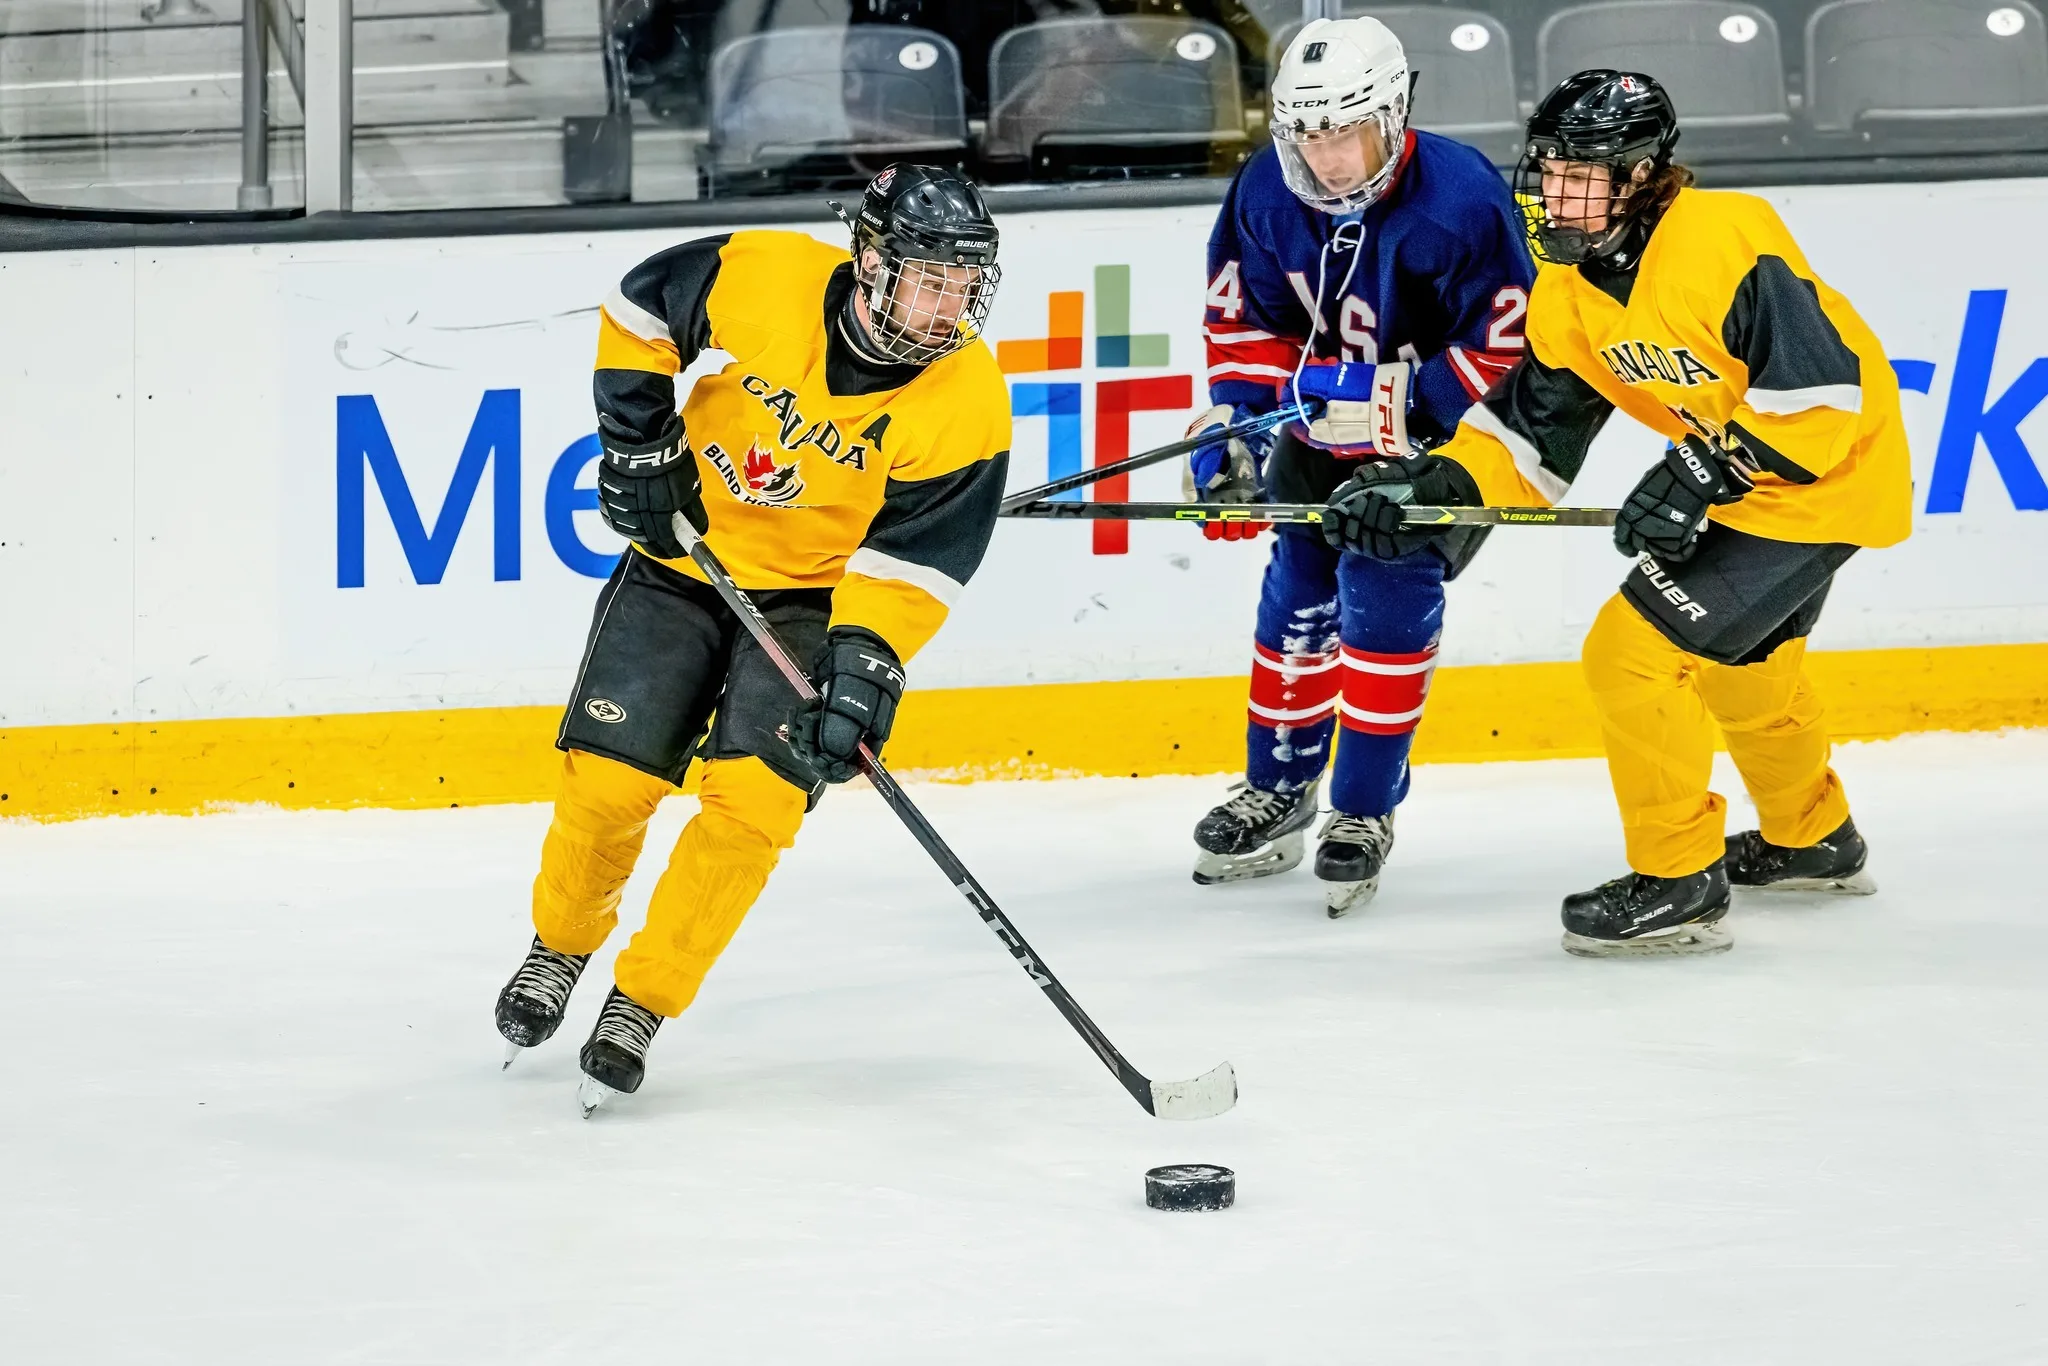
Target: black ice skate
x,y
1836,864
1639,915
1353,850
1254,834
531,1005
614,1059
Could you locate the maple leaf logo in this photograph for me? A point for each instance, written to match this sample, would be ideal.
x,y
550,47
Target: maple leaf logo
x,y
768,481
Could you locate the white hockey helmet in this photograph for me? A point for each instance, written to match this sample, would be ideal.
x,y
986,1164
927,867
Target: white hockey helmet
x,y
1340,112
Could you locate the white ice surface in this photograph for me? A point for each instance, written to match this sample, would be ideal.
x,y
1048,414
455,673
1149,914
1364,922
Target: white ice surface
x,y
253,1111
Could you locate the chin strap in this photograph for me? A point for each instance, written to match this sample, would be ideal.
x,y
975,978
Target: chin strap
x,y
856,336
1634,239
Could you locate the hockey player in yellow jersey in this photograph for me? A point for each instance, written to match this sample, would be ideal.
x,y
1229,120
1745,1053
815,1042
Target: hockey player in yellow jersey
x,y
1695,313
846,466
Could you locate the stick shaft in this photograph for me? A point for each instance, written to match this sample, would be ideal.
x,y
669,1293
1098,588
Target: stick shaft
x,y
1134,1081
1151,457
1311,513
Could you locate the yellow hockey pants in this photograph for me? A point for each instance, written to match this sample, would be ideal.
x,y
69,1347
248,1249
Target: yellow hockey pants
x,y
722,860
1654,701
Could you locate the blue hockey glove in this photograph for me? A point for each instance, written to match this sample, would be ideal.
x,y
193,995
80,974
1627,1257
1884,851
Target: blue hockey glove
x,y
1353,406
1227,471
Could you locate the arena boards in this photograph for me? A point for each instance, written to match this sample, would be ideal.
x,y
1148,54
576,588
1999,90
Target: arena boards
x,y
364,545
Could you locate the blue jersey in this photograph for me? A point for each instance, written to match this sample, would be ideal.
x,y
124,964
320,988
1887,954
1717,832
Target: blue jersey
x,y
1439,276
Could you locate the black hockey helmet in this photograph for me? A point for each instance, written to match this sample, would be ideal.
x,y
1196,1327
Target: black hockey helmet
x,y
1618,120
924,251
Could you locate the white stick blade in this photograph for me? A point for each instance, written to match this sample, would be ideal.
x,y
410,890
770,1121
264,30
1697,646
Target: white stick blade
x,y
1205,1097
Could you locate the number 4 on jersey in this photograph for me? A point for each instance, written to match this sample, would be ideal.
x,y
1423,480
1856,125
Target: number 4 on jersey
x,y
1226,293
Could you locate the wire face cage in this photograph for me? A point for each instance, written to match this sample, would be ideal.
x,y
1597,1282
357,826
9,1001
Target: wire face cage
x,y
921,310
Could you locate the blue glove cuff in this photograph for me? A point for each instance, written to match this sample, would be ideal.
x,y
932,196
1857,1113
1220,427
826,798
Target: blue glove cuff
x,y
1345,381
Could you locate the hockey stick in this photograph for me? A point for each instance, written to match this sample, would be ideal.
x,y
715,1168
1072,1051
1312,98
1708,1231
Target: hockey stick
x,y
1311,512
1153,457
1207,1095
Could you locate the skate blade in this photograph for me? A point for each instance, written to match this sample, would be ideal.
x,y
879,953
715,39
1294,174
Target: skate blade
x,y
1684,941
1342,898
1858,883
1276,856
591,1094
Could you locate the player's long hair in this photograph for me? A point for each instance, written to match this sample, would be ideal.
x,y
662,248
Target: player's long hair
x,y
1661,189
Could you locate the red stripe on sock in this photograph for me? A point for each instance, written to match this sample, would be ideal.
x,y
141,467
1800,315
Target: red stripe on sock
x,y
1382,694
1301,689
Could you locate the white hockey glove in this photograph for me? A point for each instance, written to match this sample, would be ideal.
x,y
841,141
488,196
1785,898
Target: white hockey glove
x,y
1358,407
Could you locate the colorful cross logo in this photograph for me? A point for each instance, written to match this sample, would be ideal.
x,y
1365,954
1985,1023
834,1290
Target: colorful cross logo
x,y
1059,403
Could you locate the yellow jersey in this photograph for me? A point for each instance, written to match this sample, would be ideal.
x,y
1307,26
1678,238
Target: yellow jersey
x,y
1724,330
822,465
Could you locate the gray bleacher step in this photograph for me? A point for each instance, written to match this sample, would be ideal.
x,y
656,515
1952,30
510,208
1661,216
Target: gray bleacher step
x,y
572,19
189,78
424,49
218,109
511,165
69,16
578,67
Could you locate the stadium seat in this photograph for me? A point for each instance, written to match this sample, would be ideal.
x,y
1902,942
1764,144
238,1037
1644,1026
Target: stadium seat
x,y
1114,96
1464,73
1931,76
1720,60
810,107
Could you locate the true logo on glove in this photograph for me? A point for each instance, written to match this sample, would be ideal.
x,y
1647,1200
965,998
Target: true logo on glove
x,y
1390,418
888,669
605,710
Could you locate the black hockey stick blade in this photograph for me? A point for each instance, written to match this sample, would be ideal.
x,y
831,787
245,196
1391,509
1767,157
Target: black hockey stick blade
x,y
1311,512
1200,1098
1151,457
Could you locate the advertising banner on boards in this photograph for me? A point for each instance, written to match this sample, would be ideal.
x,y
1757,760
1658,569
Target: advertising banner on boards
x,y
361,471
454,473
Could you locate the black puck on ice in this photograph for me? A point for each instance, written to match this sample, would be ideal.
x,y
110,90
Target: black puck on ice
x,y
1191,1186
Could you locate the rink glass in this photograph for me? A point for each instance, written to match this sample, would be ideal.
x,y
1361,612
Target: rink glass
x,y
142,106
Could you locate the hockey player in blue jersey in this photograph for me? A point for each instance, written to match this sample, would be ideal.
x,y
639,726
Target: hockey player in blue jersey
x,y
1379,275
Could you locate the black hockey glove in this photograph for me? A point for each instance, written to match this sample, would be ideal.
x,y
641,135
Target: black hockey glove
x,y
1666,512
641,486
1365,511
860,681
